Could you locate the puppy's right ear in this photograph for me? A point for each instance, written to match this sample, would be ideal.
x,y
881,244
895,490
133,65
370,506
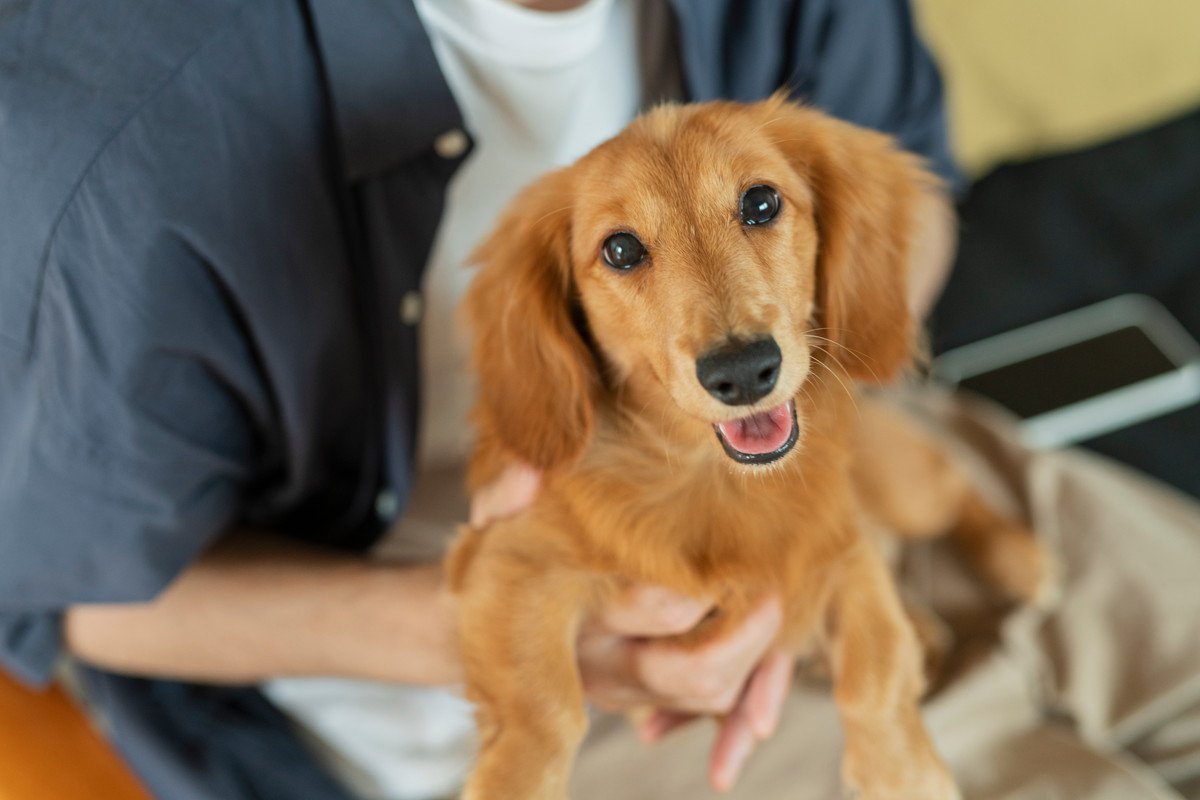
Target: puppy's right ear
x,y
537,378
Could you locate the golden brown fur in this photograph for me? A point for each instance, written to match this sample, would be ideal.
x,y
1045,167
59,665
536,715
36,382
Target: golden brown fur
x,y
589,374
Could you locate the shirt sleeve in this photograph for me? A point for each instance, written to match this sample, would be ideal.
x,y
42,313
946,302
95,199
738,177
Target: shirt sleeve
x,y
126,442
869,66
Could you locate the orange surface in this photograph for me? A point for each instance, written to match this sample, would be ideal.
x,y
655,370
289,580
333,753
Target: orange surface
x,y
50,751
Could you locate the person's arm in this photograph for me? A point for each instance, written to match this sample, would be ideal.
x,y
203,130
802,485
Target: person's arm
x,y
937,242
256,606
874,70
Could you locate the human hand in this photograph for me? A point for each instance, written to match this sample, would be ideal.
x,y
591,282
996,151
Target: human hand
x,y
513,490
628,661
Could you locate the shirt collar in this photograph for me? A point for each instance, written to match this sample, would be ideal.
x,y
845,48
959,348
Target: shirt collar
x,y
389,98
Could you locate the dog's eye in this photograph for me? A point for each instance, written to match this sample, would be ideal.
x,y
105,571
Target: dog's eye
x,y
760,204
623,251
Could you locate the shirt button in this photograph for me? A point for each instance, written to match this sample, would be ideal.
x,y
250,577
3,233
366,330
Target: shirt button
x,y
451,144
410,308
387,504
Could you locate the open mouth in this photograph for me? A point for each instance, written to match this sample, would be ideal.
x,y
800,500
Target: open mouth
x,y
760,438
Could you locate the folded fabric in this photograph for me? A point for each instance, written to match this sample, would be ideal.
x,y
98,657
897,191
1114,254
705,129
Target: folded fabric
x,y
1095,698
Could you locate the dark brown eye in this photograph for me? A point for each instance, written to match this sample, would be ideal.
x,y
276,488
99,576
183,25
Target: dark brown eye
x,y
623,251
760,204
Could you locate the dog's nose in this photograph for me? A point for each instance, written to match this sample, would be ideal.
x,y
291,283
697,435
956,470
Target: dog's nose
x,y
740,373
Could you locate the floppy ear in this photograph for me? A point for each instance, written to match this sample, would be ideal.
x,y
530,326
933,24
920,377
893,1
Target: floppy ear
x,y
537,378
871,200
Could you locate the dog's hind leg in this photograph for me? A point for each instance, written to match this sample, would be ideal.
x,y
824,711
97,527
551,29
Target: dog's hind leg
x,y
909,486
1004,552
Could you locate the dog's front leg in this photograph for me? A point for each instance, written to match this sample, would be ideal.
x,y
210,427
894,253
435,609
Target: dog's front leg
x,y
517,627
878,681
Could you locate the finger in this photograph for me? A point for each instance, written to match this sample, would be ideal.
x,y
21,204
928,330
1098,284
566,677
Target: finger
x,y
607,671
735,742
711,678
513,490
761,705
766,692
647,611
660,723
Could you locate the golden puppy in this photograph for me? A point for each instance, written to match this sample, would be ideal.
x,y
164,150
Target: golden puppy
x,y
672,329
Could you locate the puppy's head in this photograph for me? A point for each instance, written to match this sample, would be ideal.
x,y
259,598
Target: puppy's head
x,y
716,255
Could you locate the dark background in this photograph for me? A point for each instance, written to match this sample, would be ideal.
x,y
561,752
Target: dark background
x,y
1053,234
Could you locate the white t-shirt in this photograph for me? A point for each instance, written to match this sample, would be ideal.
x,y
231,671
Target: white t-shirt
x,y
537,89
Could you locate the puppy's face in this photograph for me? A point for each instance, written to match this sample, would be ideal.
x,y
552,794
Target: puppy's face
x,y
721,254
694,251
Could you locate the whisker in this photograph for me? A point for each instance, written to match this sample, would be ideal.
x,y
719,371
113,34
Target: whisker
x,y
853,396
862,358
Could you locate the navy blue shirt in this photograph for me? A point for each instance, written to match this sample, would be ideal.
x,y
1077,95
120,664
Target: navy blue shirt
x,y
211,214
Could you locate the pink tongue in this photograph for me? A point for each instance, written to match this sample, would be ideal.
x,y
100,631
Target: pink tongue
x,y
764,432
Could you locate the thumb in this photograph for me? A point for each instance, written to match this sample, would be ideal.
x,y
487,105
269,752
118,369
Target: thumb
x,y
511,492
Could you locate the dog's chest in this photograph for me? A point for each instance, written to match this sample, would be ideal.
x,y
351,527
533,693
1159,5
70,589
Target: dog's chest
x,y
698,521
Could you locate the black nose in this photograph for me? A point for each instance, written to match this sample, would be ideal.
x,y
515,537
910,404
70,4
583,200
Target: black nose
x,y
738,373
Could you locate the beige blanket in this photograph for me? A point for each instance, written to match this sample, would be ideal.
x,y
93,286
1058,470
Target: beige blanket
x,y
1097,698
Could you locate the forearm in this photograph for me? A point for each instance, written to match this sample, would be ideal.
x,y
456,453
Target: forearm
x,y
933,255
256,607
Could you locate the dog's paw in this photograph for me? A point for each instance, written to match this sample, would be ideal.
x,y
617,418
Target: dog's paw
x,y
1028,571
935,637
917,779
1017,564
1047,592
893,790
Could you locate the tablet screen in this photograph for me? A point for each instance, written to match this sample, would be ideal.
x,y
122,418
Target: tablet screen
x,y
1073,373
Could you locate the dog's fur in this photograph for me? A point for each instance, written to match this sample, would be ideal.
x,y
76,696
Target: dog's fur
x,y
589,374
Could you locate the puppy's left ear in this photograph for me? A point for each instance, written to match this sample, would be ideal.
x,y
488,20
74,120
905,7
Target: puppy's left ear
x,y
873,202
537,377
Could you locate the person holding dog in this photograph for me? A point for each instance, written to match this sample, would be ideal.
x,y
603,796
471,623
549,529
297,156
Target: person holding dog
x,y
232,235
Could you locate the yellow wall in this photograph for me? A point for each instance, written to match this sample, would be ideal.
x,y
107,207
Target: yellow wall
x,y
1030,77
